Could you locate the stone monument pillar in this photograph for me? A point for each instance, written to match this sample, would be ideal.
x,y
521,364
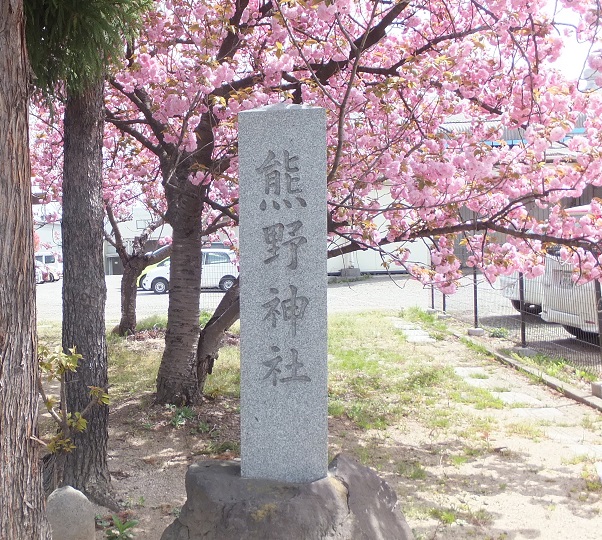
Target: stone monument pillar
x,y
283,487
282,164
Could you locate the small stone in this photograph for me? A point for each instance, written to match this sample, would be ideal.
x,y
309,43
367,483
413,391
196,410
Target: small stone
x,y
70,514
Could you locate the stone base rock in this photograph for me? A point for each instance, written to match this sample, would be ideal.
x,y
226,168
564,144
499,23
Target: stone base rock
x,y
351,503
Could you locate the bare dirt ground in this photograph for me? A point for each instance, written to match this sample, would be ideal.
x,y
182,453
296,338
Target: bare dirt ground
x,y
527,471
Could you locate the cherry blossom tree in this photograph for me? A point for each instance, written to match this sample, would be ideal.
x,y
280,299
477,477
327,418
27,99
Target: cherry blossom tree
x,y
125,184
391,75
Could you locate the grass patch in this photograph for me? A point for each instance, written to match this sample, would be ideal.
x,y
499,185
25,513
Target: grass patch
x,y
154,322
428,321
133,366
412,470
499,333
447,516
475,347
374,379
49,334
525,430
557,367
159,322
225,378
480,398
580,458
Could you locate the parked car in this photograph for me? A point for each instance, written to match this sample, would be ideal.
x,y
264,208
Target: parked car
x,y
219,271
50,261
570,304
41,272
567,303
532,292
149,268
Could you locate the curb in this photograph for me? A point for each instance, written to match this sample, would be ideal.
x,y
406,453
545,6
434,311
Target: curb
x,y
560,386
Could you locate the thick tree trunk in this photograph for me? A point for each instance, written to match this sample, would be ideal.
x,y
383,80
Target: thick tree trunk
x,y
84,288
21,494
177,379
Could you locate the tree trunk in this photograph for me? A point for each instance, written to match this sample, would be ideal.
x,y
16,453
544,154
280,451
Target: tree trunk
x,y
210,340
131,271
21,494
84,288
177,379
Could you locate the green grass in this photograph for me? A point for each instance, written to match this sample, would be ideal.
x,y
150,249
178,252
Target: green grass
x,y
527,430
133,367
159,322
412,470
447,516
225,379
480,398
428,321
557,367
154,322
476,347
375,380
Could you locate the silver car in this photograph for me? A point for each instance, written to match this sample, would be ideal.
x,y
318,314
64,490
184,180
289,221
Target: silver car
x,y
219,271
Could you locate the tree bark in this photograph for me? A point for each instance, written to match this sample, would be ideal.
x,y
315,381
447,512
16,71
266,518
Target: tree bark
x,y
84,288
22,498
131,271
177,381
210,339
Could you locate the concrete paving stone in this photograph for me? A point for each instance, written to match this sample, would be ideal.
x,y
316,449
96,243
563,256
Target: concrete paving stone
x,y
576,436
512,397
403,325
418,336
467,372
420,339
550,414
593,451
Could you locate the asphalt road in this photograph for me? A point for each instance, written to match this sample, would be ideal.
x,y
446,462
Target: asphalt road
x,y
377,292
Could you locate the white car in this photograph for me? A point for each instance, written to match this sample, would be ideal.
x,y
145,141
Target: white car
x,y
50,261
218,271
533,289
567,303
570,304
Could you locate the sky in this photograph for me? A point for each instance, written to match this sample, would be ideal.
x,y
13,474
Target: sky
x,y
573,60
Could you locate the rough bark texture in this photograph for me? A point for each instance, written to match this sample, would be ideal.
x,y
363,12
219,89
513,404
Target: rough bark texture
x,y
210,340
177,381
84,288
131,271
21,494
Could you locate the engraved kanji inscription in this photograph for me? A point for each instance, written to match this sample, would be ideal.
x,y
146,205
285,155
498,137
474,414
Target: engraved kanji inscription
x,y
275,238
274,369
290,309
281,180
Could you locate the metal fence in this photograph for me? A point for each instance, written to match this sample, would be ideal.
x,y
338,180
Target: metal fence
x,y
484,305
